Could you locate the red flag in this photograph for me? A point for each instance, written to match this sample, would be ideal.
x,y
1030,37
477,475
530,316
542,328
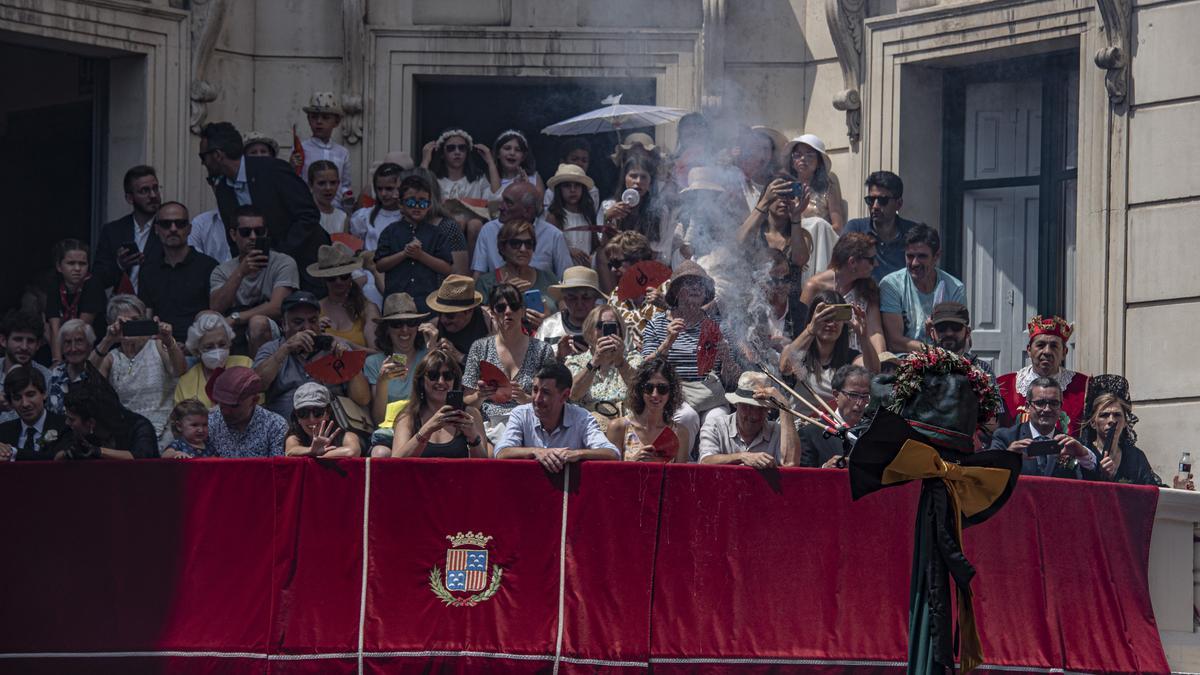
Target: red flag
x,y
641,277
334,369
494,377
297,158
666,445
710,337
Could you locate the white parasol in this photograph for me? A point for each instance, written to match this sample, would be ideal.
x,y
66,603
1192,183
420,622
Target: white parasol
x,y
615,117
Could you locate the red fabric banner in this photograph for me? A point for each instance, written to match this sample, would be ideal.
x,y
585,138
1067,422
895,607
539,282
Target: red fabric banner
x,y
238,566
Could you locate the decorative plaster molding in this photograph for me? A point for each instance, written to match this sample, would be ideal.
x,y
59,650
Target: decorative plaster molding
x,y
208,17
712,44
354,29
845,19
1114,58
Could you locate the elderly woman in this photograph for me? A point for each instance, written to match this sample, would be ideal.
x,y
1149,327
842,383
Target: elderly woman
x,y
809,165
653,401
824,345
75,339
142,369
604,370
429,427
1108,433
209,338
517,242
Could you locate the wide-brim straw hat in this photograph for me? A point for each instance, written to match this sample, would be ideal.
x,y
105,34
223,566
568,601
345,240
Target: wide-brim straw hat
x,y
690,268
748,383
400,307
812,141
706,178
576,277
323,102
456,294
467,206
334,260
570,173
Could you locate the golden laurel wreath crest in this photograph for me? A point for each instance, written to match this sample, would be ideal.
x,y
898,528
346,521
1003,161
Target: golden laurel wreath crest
x,y
435,585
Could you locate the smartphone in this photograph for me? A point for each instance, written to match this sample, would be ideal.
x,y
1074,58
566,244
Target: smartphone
x,y
139,328
533,300
129,246
454,399
263,244
797,190
322,343
843,312
1043,448
610,328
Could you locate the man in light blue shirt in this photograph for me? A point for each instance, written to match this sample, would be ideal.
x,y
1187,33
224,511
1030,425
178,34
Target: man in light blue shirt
x,y
907,296
550,430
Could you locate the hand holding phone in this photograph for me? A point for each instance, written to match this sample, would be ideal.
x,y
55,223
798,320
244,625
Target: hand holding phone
x,y
533,300
139,328
1043,448
454,399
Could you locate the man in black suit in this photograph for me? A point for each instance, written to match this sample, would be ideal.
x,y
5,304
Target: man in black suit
x,y
127,241
852,386
35,431
1045,423
273,188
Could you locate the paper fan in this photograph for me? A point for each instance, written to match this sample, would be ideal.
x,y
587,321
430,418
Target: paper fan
x,y
334,369
706,353
666,445
641,277
494,377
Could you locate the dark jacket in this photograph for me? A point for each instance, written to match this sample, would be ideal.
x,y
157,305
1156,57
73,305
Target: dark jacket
x,y
292,219
1134,468
816,448
10,433
112,236
1032,466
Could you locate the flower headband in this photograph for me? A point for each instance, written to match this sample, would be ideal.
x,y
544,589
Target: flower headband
x,y
513,132
451,133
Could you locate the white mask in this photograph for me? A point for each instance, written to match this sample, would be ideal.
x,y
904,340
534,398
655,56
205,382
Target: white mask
x,y
214,358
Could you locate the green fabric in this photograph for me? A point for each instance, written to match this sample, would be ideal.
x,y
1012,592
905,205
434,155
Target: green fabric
x,y
920,639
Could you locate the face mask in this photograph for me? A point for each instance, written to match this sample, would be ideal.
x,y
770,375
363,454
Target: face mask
x,y
214,358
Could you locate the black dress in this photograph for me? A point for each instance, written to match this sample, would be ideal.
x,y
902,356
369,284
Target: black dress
x,y
455,449
1134,468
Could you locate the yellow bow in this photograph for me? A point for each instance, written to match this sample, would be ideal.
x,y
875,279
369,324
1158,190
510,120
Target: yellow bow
x,y
972,489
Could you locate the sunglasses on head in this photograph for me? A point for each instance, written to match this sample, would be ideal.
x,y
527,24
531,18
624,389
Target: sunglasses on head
x,y
455,147
656,388
307,413
502,307
248,232
520,243
169,223
883,201
414,203
440,376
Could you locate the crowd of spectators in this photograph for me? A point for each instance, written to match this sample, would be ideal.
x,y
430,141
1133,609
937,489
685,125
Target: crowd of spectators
x,y
470,306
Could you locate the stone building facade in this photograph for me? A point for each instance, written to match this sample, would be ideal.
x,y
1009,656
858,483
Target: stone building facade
x,y
1053,141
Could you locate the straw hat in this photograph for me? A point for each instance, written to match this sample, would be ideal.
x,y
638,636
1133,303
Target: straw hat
x,y
467,206
399,307
323,102
704,178
638,138
778,140
334,260
576,277
811,141
690,268
748,383
570,173
456,294
251,137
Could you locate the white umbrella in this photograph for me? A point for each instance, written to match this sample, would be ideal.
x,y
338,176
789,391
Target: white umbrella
x,y
615,117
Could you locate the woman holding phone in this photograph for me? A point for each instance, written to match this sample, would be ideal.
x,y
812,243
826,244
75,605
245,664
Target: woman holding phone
x,y
824,344
605,370
436,422
849,274
401,345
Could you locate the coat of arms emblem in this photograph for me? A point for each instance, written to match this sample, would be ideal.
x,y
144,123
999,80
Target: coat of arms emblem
x,y
467,571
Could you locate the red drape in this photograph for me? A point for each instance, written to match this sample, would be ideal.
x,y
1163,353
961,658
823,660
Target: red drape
x,y
238,566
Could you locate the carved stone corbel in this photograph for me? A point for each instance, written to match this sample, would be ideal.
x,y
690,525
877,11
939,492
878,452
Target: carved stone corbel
x,y
208,18
1114,58
713,52
845,19
354,20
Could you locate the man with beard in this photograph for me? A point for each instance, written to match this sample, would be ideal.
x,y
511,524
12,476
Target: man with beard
x,y
907,296
950,328
127,241
520,201
174,284
885,196
1047,350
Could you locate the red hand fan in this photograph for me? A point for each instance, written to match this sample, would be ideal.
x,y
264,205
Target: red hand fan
x,y
494,377
666,445
334,369
641,277
706,354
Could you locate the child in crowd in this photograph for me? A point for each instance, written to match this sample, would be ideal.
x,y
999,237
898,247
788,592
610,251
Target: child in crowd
x,y
416,253
74,295
515,162
189,425
323,180
312,432
369,222
324,115
573,211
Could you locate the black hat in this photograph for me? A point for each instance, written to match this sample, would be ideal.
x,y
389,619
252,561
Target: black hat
x,y
955,312
298,298
1109,384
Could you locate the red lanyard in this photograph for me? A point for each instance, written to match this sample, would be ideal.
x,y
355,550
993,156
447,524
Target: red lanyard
x,y
70,310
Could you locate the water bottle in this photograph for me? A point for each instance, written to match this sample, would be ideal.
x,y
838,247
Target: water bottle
x,y
1185,468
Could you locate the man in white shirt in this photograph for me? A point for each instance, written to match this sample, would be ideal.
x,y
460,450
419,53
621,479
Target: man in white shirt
x,y
746,437
208,236
520,202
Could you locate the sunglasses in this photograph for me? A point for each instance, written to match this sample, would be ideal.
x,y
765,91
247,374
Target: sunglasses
x,y
248,232
617,263
455,147
661,389
206,153
520,243
405,323
341,277
443,376
502,307
172,224
308,413
414,203
883,201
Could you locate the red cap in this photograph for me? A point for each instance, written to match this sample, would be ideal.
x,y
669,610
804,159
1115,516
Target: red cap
x,y
232,385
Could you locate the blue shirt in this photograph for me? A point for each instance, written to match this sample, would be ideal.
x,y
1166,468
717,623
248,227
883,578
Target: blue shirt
x,y
899,295
889,256
263,436
241,187
578,429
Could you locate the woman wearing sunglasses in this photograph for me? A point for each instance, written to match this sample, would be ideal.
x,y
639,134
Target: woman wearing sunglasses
x,y
517,243
416,252
653,399
312,432
401,346
516,354
431,427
